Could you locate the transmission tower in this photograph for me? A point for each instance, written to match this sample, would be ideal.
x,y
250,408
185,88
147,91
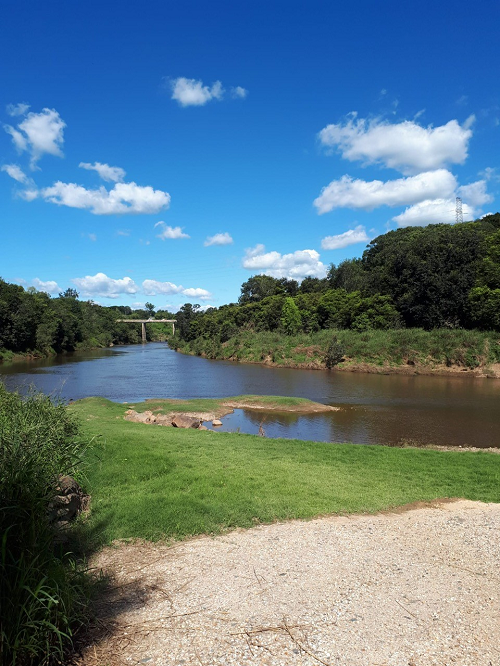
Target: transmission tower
x,y
458,210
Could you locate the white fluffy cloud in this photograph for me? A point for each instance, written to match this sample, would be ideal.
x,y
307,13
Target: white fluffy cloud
x,y
16,173
351,237
356,193
39,133
405,146
154,287
49,286
296,265
432,212
122,198
219,239
102,285
17,109
171,233
108,173
190,92
442,210
238,92
29,194
475,194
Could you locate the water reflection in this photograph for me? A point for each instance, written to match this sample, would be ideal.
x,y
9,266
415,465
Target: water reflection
x,y
375,408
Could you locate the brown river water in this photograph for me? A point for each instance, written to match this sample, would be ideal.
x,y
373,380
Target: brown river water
x,y
375,409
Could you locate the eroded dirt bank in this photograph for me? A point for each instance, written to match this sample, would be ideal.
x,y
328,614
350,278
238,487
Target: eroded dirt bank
x,y
411,588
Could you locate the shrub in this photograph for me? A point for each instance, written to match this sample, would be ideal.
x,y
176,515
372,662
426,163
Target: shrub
x,y
42,594
334,353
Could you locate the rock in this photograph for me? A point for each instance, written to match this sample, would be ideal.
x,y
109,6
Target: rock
x,y
202,427
140,417
183,421
163,420
216,422
68,502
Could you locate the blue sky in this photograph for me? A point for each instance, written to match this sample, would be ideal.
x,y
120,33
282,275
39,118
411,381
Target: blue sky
x,y
167,151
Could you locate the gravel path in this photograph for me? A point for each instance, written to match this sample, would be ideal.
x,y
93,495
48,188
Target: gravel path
x,y
414,588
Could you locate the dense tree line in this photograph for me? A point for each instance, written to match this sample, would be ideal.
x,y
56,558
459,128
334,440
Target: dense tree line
x,y
32,321
439,276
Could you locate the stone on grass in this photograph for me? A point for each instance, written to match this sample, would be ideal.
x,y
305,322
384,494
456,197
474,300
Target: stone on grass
x,y
182,421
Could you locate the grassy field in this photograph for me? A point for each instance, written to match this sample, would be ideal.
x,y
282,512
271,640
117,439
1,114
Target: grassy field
x,y
153,482
410,348
221,406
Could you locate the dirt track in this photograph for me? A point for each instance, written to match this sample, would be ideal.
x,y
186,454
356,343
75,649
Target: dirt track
x,y
414,588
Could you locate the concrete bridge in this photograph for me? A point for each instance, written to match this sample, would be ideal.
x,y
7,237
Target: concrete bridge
x,y
149,321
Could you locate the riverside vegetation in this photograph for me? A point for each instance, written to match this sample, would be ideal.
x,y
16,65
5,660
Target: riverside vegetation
x,y
423,297
419,296
160,483
33,323
44,592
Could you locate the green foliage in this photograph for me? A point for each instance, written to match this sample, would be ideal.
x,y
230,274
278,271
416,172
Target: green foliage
x,y
349,275
290,317
42,593
428,272
259,287
32,322
393,347
150,309
334,353
484,308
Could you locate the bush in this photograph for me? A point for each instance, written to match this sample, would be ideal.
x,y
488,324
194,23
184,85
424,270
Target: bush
x,y
334,353
42,593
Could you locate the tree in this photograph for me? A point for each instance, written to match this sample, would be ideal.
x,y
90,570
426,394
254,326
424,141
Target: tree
x,y
150,309
428,272
69,293
290,317
258,287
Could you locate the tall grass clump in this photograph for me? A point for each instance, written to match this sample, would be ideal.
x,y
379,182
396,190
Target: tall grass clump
x,y
42,592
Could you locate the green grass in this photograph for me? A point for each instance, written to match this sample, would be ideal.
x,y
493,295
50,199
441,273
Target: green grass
x,y
391,348
216,405
152,482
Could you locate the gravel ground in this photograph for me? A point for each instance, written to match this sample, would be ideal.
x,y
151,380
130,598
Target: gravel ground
x,y
414,588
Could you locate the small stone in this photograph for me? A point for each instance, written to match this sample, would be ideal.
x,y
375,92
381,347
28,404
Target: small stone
x,y
216,422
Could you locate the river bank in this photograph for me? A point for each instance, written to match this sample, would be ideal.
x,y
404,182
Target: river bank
x,y
445,352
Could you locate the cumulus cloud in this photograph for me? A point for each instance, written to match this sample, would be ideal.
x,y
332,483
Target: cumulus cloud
x,y
238,92
405,146
49,286
16,173
154,287
190,92
39,133
219,239
17,109
102,285
475,193
432,212
108,173
351,237
171,233
122,198
356,193
29,194
296,265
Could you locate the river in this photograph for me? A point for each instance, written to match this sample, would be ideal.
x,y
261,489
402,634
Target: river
x,y
375,409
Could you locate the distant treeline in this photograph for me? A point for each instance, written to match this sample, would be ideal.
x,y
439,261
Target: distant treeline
x,y
434,277
33,322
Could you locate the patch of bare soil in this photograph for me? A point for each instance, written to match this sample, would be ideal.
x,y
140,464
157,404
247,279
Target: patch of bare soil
x,y
413,588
